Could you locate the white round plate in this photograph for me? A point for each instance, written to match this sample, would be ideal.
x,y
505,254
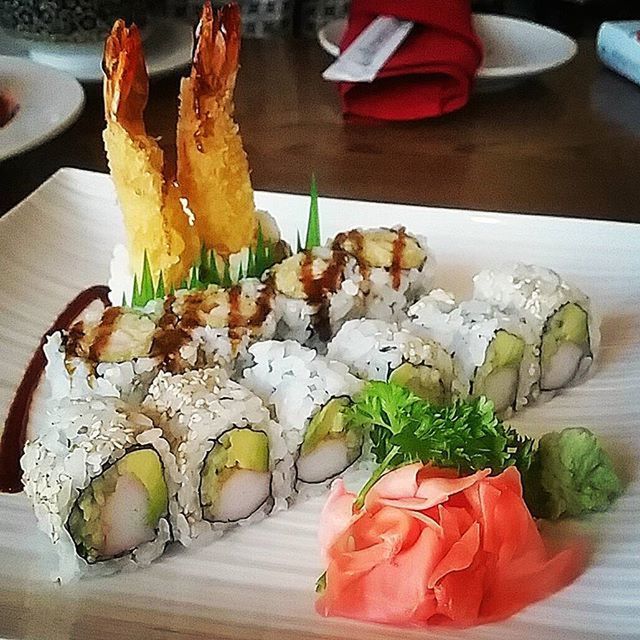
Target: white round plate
x,y
168,46
514,49
49,101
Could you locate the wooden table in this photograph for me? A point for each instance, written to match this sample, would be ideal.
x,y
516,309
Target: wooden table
x,y
567,143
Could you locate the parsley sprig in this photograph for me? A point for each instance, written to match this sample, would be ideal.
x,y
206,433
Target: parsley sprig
x,y
465,435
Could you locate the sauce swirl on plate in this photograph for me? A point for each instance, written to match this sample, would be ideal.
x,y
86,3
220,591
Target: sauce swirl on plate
x,y
15,426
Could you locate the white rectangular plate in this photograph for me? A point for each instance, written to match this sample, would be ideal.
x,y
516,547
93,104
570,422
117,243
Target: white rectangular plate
x,y
257,582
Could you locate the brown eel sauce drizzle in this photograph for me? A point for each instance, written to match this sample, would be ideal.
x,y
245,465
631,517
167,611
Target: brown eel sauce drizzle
x,y
238,324
318,289
103,332
264,304
171,334
235,320
15,426
356,239
396,257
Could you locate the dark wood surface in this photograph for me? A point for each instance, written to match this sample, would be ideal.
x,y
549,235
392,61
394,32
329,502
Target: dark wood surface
x,y
566,143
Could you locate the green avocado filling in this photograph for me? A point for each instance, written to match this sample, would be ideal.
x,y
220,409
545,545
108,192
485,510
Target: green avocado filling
x,y
497,377
86,521
426,382
236,449
328,423
568,324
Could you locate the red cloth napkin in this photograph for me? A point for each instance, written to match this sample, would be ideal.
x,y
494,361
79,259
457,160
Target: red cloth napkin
x,y
432,71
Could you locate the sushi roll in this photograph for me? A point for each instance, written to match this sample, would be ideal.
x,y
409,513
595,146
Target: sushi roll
x,y
220,324
494,353
317,291
380,350
233,463
101,483
396,268
559,314
309,396
117,351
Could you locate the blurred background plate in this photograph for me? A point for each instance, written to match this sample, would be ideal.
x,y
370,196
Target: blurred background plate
x,y
49,101
515,49
168,45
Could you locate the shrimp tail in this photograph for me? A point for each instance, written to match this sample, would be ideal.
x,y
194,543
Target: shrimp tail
x,y
126,85
213,170
216,54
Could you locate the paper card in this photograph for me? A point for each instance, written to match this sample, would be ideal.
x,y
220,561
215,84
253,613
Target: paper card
x,y
368,53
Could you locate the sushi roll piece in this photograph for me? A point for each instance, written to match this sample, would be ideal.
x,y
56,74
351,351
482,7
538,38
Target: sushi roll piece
x,y
101,483
396,268
233,463
117,351
219,324
317,291
380,350
494,353
309,396
559,314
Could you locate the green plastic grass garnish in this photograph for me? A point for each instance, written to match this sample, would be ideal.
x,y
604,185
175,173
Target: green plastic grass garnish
x,y
313,238
206,272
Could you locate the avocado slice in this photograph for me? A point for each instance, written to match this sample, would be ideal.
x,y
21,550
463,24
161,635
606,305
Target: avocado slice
x,y
497,377
331,443
238,448
328,422
426,382
568,324
86,522
247,449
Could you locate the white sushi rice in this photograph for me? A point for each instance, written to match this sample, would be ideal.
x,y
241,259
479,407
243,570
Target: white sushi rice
x,y
120,275
383,302
373,349
466,331
296,382
78,379
88,436
195,409
533,294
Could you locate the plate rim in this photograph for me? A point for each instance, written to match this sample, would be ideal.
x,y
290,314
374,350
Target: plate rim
x,y
518,71
60,77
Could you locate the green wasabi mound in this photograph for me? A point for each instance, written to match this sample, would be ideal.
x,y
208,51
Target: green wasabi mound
x,y
571,475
